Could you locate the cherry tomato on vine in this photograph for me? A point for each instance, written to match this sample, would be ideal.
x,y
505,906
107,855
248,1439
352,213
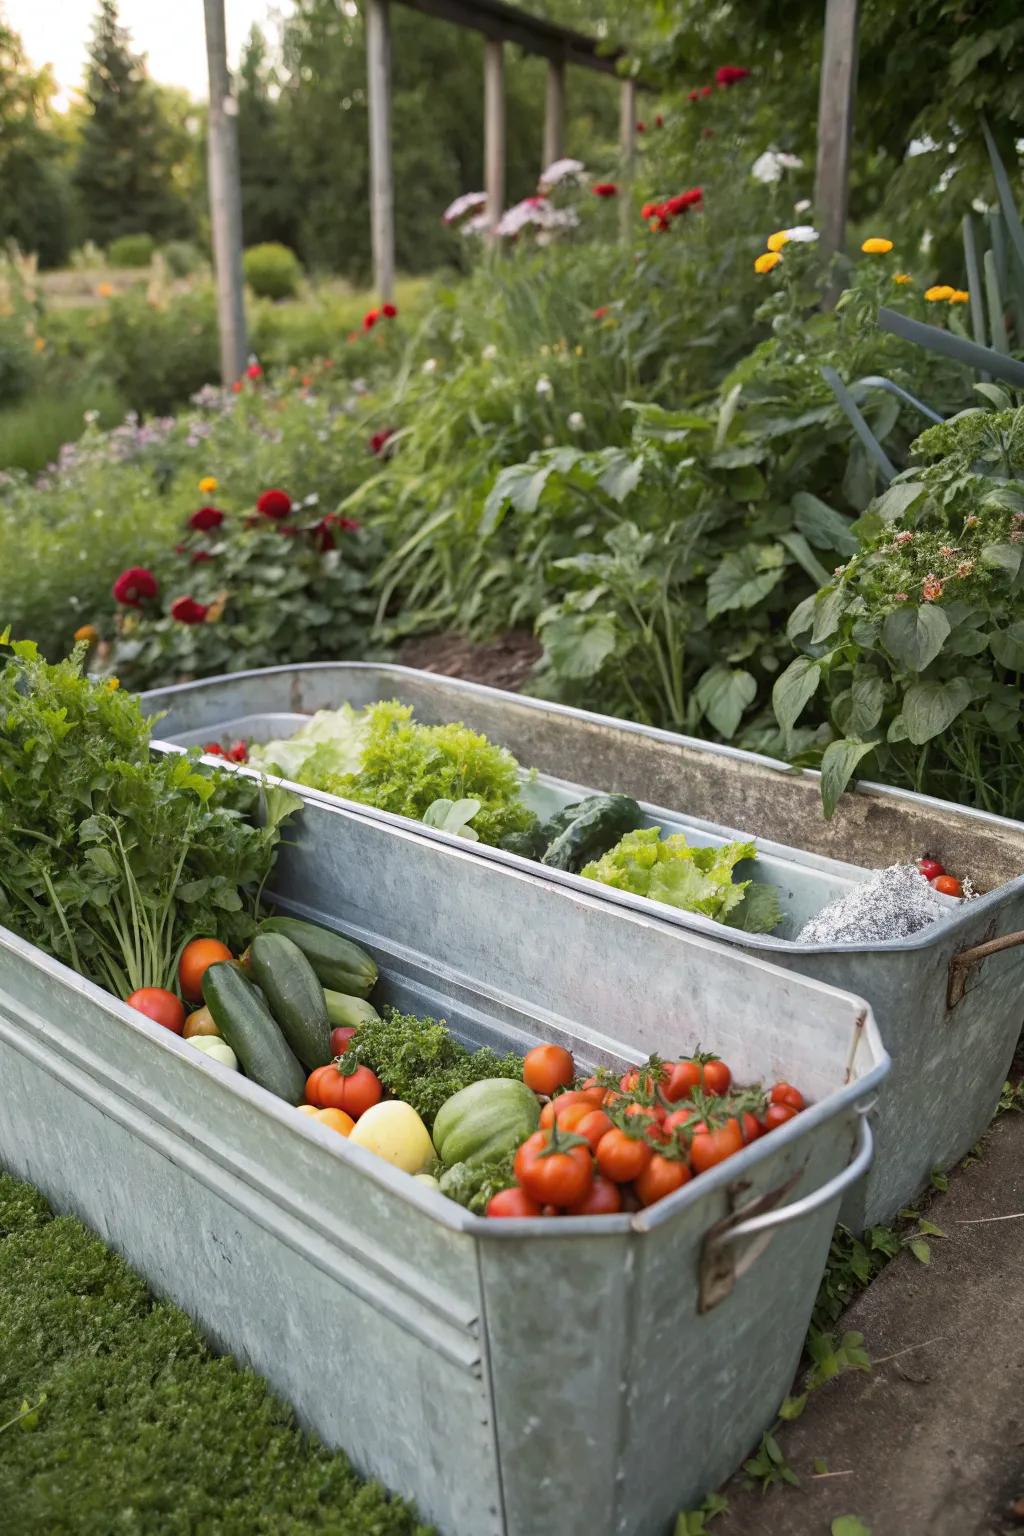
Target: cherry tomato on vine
x,y
512,1202
553,1167
683,1077
717,1077
777,1114
930,867
548,1067
710,1147
594,1124
785,1093
603,1198
751,1126
621,1157
947,885
662,1176
677,1118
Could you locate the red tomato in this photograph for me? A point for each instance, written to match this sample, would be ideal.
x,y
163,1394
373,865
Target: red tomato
x,y
751,1126
354,1092
554,1169
603,1198
930,867
621,1157
159,1005
777,1114
641,1080
340,1038
785,1093
238,752
711,1147
717,1077
677,1118
661,1177
683,1077
594,1124
948,885
512,1202
196,959
560,1105
548,1067
214,749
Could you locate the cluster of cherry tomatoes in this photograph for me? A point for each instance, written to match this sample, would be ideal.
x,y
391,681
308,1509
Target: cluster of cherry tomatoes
x,y
938,879
616,1144
238,752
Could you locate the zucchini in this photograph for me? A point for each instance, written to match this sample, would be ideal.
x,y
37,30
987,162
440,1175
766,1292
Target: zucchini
x,y
338,963
245,1022
296,998
596,824
349,1012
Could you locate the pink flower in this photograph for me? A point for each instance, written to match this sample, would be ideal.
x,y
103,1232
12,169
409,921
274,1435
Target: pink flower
x,y
187,611
969,522
133,585
931,588
899,597
947,552
254,371
903,538
274,503
965,568
729,74
205,519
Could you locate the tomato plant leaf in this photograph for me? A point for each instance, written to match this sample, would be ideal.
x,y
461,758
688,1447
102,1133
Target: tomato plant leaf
x,y
837,769
579,647
793,688
1007,646
722,694
822,525
914,635
740,580
928,708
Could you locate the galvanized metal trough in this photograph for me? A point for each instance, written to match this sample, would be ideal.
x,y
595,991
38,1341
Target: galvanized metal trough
x,y
500,1373
949,1001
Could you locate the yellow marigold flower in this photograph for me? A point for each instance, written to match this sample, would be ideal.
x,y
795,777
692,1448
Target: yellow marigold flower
x,y
777,241
87,632
104,290
902,277
767,261
938,293
113,682
876,246
208,484
40,343
959,296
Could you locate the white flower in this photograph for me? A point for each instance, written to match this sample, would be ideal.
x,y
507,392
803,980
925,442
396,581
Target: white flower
x,y
802,234
477,224
557,171
802,206
430,365
469,202
544,387
770,166
575,421
489,352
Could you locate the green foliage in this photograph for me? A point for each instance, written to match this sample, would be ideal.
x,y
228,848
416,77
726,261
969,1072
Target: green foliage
x,y
182,257
156,353
698,879
33,431
131,251
272,271
34,200
186,1441
474,1185
421,1062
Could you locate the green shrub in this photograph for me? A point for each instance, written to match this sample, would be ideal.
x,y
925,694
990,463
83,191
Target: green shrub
x,y
33,432
272,271
16,363
129,1412
158,354
182,257
131,251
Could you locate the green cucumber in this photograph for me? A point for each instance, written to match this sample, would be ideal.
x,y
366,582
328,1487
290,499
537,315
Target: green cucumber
x,y
349,1012
241,1014
296,998
338,963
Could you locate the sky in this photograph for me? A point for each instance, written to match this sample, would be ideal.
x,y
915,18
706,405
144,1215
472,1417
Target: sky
x,y
57,32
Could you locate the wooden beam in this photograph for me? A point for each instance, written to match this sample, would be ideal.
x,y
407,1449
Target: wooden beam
x,y
382,200
535,34
554,113
627,153
836,98
494,131
225,200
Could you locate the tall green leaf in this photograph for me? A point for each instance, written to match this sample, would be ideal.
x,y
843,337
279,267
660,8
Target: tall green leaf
x,y
914,635
793,688
928,708
837,769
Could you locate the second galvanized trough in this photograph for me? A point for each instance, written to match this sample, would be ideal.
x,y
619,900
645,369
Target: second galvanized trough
x,y
949,1001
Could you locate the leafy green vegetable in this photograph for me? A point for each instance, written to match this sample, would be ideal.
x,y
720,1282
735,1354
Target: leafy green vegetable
x,y
382,757
473,1184
110,859
420,1060
693,879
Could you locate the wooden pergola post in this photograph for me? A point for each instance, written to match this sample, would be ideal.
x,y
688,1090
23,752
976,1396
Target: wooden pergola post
x,y
225,199
627,152
378,96
835,122
494,132
554,113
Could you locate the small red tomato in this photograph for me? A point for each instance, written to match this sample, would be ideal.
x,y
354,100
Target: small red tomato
x,y
777,1114
621,1157
717,1077
554,1168
331,1087
561,1104
159,1005
751,1126
662,1176
547,1068
238,752
785,1093
930,867
512,1202
683,1076
947,885
340,1038
603,1198
593,1124
214,749
710,1147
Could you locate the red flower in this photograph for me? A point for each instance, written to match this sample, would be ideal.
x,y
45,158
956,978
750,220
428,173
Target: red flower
x,y
641,127
379,440
200,557
289,530
600,312
254,371
133,585
187,611
370,319
205,519
236,387
694,96
388,311
323,531
659,121
681,202
180,549
274,503
650,210
706,90
605,189
214,749
729,74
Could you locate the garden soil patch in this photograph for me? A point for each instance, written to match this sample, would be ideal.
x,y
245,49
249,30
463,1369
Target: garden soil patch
x,y
503,663
931,1441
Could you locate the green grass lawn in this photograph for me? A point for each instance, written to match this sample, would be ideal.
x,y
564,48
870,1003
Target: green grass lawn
x,y
133,1427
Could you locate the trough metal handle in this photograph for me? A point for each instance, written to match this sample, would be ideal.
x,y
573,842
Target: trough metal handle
x,y
962,963
814,1201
